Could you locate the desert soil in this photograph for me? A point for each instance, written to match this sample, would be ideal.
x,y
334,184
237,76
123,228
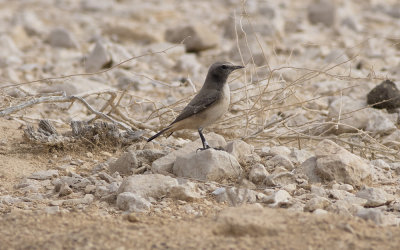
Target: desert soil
x,y
245,227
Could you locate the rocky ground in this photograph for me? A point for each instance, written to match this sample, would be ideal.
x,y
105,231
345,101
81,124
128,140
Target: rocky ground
x,y
308,155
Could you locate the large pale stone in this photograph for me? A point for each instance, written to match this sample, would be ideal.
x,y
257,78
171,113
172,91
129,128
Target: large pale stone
x,y
60,37
131,202
151,185
258,173
322,11
375,196
338,164
125,164
98,58
239,149
195,37
214,165
165,164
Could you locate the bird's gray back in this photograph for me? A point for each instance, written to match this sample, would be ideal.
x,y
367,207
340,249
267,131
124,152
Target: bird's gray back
x,y
204,99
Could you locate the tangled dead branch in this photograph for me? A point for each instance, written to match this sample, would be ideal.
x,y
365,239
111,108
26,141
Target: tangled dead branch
x,y
99,133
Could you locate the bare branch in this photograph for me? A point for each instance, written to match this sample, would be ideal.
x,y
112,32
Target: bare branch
x,y
54,99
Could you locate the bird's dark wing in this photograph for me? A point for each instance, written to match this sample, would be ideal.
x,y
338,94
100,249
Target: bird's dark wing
x,y
199,103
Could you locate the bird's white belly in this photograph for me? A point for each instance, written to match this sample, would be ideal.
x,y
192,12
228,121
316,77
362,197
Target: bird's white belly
x,y
217,110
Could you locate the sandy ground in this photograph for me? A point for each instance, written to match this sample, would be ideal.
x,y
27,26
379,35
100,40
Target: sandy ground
x,y
247,227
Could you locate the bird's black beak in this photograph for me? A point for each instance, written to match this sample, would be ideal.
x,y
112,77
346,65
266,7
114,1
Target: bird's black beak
x,y
234,67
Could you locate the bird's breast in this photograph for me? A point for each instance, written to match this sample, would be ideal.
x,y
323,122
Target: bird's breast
x,y
218,109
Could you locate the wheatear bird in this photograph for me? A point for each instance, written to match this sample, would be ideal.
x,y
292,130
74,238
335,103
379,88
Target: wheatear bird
x,y
210,103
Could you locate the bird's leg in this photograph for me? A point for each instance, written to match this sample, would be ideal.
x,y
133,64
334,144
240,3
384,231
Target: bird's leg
x,y
203,140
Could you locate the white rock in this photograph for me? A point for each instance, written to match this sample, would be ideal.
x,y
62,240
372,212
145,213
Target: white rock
x,y
131,202
342,208
346,187
166,163
108,178
372,214
75,181
29,185
235,196
119,53
308,168
277,199
87,199
185,192
396,167
75,87
336,163
375,196
280,161
44,175
250,159
97,58
319,211
133,32
197,37
151,185
64,189
188,63
239,149
354,115
125,164
10,54
395,205
9,200
380,175
290,188
147,156
262,28
322,11
219,191
280,179
9,47
279,150
60,37
336,56
299,156
379,123
339,194
329,87
392,140
355,201
258,173
351,23
318,191
214,165
31,22
381,164
316,203
96,5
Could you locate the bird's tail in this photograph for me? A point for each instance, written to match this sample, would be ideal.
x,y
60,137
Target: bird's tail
x,y
159,133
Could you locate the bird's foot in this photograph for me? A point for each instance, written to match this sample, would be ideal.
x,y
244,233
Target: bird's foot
x,y
208,147
203,148
219,148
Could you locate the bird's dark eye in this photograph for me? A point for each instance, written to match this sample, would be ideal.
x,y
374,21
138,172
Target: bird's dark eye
x,y
224,66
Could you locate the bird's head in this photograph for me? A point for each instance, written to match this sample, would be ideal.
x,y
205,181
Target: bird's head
x,y
219,72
